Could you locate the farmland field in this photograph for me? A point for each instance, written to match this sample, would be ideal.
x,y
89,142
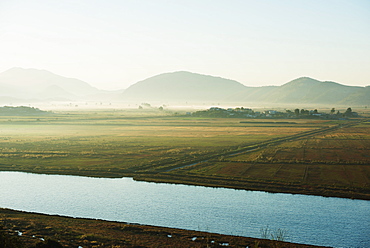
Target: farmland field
x,y
152,145
339,159
116,145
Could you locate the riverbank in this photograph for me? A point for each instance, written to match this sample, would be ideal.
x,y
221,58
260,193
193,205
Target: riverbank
x,y
258,185
223,182
34,228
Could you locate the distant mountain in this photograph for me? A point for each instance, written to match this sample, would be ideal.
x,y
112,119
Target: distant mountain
x,y
192,87
182,86
359,97
308,90
19,85
32,83
252,94
54,92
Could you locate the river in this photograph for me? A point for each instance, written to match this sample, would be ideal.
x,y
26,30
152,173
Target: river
x,y
326,221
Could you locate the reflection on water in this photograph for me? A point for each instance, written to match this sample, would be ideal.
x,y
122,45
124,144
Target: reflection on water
x,y
307,219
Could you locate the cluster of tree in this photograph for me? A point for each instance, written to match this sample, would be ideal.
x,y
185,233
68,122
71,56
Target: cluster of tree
x,y
147,105
300,112
21,110
225,113
333,113
347,113
249,113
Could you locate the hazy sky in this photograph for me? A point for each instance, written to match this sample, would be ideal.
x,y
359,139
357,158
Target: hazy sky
x,y
114,43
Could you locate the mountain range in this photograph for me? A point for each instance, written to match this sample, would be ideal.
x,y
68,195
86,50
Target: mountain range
x,y
19,84
187,86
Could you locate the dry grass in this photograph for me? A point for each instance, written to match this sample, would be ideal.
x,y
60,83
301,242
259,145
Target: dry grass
x,y
339,158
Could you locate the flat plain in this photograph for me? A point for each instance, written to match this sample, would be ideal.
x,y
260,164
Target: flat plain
x,y
117,144
305,156
309,156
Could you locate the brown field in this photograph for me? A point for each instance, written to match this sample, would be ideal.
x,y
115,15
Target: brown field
x,y
338,159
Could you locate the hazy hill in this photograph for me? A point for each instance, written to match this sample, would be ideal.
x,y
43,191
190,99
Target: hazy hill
x,y
186,86
308,90
359,97
252,94
32,83
183,86
54,92
19,85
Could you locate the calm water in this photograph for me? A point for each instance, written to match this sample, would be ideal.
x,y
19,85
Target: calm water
x,y
307,219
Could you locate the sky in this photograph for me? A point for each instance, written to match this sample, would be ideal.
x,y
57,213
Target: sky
x,y
112,44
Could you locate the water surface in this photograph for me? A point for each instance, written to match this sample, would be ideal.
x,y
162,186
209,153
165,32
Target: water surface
x,y
307,219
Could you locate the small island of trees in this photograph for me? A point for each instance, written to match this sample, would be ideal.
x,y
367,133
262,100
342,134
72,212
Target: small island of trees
x,y
21,110
242,112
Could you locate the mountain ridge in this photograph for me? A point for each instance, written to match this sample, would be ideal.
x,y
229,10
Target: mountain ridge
x,y
32,85
33,80
217,89
179,86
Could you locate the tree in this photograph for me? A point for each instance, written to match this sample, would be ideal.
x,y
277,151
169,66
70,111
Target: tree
x,y
348,112
332,111
296,112
304,112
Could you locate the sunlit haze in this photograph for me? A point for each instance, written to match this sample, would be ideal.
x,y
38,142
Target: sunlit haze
x,y
113,44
